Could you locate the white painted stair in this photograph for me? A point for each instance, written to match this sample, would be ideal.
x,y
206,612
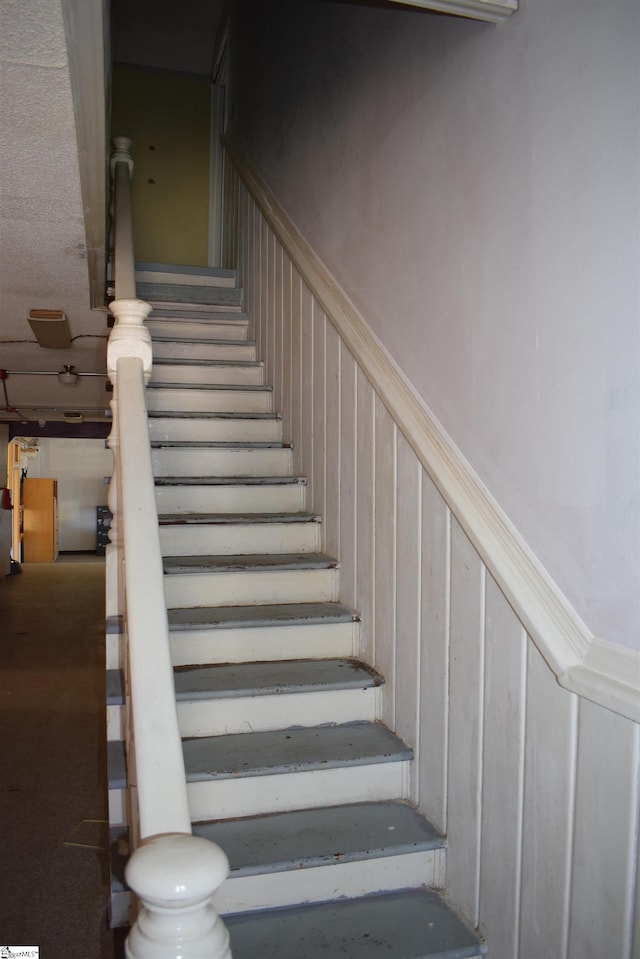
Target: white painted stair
x,y
288,767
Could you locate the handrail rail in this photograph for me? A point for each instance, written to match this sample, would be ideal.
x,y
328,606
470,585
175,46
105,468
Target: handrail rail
x,y
174,873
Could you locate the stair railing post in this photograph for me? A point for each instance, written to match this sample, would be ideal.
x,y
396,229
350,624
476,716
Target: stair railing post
x,y
176,878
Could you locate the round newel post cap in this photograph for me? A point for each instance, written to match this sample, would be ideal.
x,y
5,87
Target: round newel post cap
x,y
175,876
175,871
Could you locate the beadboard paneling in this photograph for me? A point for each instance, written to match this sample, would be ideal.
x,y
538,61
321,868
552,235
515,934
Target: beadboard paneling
x,y
502,772
332,441
465,722
549,785
434,655
348,475
287,344
536,788
296,369
318,500
306,446
408,598
606,807
385,558
365,516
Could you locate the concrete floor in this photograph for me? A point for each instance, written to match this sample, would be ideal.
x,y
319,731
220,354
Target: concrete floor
x,y
53,807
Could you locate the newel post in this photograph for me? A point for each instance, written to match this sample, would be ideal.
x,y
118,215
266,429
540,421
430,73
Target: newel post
x,y
175,877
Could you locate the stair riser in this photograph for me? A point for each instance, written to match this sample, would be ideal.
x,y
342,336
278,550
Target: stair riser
x,y
207,374
285,498
204,351
116,724
216,431
259,713
113,651
117,807
167,400
340,880
119,909
217,717
229,539
251,796
185,279
185,299
266,643
251,587
228,329
221,462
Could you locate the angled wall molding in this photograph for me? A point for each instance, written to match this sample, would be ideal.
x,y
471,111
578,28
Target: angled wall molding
x,y
494,11
602,672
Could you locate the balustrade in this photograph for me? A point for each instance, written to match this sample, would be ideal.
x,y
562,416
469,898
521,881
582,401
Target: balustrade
x,y
174,873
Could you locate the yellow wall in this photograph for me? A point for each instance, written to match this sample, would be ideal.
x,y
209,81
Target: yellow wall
x,y
167,116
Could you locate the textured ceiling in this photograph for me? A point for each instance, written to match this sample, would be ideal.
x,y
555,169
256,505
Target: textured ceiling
x,y
43,261
43,255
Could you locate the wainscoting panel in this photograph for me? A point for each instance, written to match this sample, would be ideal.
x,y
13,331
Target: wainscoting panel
x,y
305,448
535,786
466,686
408,599
385,558
365,516
332,442
502,771
549,787
607,807
348,475
435,605
317,501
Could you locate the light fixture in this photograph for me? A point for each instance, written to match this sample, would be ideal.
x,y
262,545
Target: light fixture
x,y
50,328
68,376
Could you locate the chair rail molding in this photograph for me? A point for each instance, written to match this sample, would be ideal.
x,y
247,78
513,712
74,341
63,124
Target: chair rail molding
x,y
603,672
492,11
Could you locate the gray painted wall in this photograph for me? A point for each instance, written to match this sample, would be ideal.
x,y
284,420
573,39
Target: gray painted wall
x,y
474,189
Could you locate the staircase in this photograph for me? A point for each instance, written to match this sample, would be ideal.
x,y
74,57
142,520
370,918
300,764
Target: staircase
x,y
288,768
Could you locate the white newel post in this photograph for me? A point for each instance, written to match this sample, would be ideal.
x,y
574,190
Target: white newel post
x,y
129,337
176,877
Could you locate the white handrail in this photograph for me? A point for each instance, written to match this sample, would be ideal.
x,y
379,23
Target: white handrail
x,y
174,873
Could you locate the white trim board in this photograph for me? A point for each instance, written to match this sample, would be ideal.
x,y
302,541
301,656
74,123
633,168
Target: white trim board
x,y
602,672
492,11
87,34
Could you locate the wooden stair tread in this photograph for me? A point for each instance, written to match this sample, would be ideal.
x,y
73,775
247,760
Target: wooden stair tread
x,y
282,614
298,749
258,561
300,839
412,924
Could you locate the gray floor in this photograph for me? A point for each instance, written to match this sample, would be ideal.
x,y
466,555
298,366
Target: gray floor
x,y
53,810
